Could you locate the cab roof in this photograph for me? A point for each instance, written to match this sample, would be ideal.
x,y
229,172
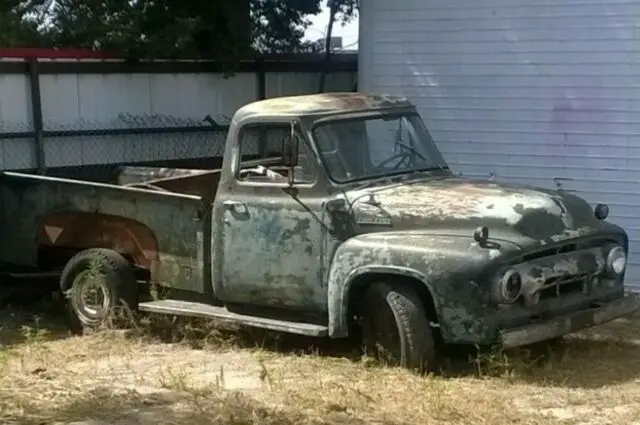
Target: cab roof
x,y
323,103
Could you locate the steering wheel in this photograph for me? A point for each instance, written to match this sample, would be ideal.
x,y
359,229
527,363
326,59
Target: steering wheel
x,y
412,150
403,156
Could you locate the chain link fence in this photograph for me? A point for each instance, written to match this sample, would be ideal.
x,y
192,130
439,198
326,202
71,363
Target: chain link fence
x,y
142,141
153,140
95,152
16,146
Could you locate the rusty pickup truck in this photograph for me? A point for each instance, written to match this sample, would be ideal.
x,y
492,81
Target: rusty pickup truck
x,y
352,225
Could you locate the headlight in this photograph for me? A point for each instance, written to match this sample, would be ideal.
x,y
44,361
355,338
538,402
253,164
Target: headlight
x,y
616,260
509,287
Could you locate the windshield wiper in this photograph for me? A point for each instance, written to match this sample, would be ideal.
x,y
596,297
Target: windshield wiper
x,y
437,167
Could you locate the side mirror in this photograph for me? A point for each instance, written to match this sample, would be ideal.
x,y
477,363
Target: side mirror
x,y
290,151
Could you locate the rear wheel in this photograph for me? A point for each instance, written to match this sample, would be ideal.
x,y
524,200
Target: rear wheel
x,y
395,327
97,284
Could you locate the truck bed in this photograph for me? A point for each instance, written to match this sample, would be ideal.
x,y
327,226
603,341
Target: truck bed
x,y
160,218
46,220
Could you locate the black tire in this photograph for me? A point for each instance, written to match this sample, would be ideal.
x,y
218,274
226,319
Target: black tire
x,y
395,327
111,274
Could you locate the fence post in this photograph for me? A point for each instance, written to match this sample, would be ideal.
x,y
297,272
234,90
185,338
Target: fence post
x,y
261,81
36,114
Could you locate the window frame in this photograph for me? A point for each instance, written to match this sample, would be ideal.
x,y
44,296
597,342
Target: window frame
x,y
255,182
356,116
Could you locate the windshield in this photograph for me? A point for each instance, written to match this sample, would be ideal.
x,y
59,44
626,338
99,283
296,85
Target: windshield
x,y
370,147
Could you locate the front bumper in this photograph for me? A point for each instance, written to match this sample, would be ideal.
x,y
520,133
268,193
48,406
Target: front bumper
x,y
571,322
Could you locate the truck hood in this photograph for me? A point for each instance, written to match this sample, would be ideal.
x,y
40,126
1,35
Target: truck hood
x,y
453,205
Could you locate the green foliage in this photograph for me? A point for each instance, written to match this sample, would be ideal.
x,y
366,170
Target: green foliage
x,y
220,29
278,26
343,10
19,22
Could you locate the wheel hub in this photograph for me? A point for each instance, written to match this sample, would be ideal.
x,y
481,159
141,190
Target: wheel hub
x,y
90,296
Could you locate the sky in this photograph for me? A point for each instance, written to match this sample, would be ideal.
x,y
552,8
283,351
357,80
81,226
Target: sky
x,y
318,29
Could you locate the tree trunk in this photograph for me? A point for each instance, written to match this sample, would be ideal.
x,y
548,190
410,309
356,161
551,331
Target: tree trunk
x,y
327,46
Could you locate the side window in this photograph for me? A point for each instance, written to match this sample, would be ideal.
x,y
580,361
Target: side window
x,y
253,139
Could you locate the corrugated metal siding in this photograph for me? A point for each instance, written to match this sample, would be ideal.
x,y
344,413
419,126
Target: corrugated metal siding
x,y
529,90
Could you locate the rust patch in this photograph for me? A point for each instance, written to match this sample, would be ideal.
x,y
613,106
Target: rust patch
x,y
323,103
457,203
76,231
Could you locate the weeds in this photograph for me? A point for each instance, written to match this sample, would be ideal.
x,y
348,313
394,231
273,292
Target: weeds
x,y
166,370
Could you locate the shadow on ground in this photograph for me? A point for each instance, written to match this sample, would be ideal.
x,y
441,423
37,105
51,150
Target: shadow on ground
x,y
200,333
103,406
22,320
601,356
593,360
604,355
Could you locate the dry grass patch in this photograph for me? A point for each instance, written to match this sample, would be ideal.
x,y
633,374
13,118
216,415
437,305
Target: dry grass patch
x,y
189,373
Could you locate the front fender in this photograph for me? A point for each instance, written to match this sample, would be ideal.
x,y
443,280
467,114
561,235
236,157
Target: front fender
x,y
340,284
449,266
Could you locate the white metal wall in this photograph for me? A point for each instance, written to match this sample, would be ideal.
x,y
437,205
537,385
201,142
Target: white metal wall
x,y
104,101
530,90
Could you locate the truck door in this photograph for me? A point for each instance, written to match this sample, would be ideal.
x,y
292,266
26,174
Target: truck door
x,y
270,242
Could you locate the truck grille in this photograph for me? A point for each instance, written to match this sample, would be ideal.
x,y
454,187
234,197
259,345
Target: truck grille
x,y
558,286
568,284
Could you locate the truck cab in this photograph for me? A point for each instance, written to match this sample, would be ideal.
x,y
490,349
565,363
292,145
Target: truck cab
x,y
335,215
290,216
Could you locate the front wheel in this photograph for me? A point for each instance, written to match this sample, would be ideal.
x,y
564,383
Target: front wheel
x,y
96,282
395,327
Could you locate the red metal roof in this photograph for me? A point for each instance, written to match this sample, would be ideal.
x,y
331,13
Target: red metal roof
x,y
35,52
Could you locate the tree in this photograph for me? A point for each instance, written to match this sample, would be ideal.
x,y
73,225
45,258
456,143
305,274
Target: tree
x,y
219,29
342,11
142,28
278,26
19,22
180,28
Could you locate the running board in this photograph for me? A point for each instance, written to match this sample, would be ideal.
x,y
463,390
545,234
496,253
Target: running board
x,y
194,309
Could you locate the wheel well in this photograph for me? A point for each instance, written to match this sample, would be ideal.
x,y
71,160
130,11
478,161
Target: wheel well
x,y
63,234
362,283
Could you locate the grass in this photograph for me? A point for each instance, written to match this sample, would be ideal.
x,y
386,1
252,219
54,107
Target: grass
x,y
189,373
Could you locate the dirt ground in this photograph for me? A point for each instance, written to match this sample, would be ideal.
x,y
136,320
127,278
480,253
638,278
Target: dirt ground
x,y
188,373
